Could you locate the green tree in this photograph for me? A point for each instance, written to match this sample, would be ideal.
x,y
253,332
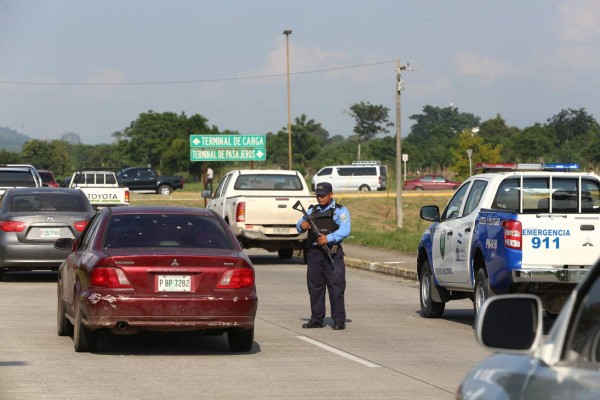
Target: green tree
x,y
370,120
434,133
481,152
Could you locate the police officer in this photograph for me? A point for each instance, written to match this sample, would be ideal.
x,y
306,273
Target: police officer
x,y
333,222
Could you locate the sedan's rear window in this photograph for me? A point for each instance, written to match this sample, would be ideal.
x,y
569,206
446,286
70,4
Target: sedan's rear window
x,y
64,202
166,230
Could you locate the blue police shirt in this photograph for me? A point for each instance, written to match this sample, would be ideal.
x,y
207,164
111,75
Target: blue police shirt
x,y
341,216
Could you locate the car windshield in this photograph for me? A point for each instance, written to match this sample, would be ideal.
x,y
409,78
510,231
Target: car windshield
x,y
166,230
66,202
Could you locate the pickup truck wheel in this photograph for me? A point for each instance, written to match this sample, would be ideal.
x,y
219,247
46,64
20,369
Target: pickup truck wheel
x,y
482,291
285,254
429,307
165,190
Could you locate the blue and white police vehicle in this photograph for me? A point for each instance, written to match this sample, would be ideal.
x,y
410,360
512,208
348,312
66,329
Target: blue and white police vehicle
x,y
515,228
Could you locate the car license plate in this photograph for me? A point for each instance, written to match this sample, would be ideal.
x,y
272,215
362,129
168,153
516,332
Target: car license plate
x,y
282,230
50,232
174,283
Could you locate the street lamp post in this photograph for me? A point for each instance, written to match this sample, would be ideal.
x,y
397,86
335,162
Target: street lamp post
x,y
399,213
287,34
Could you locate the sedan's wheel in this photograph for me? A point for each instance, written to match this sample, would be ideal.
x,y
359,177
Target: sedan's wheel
x,y
418,188
285,254
63,326
429,307
364,188
240,339
84,340
165,190
482,290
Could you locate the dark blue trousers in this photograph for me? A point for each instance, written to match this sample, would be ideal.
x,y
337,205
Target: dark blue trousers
x,y
322,275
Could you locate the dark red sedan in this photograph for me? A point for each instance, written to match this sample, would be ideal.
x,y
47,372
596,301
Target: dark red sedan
x,y
430,182
156,268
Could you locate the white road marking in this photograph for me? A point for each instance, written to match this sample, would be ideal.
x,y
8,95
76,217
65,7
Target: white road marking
x,y
339,352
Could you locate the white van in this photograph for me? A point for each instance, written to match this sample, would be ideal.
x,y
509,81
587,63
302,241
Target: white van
x,y
363,176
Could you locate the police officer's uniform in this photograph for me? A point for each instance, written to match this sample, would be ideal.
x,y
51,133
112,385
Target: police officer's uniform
x,y
332,220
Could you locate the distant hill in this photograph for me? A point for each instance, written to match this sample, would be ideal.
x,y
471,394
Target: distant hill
x,y
12,140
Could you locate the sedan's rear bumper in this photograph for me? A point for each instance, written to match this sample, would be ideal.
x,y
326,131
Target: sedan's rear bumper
x,y
225,309
31,256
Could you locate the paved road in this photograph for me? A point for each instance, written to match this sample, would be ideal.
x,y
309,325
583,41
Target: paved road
x,y
387,352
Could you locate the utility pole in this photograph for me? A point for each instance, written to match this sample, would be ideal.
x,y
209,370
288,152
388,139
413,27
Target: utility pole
x,y
399,211
287,34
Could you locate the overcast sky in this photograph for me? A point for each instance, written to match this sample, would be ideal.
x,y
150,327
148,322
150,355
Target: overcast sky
x,y
91,67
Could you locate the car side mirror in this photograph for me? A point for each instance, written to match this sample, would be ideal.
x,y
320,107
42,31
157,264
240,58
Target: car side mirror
x,y
510,323
64,244
430,213
207,194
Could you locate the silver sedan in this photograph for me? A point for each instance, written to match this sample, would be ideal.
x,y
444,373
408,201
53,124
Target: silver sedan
x,y
32,219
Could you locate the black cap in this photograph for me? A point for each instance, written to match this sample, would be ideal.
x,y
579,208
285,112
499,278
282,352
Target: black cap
x,y
323,189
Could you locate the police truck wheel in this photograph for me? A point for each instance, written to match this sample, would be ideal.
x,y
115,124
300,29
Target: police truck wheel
x,y
364,188
482,290
165,190
429,307
285,254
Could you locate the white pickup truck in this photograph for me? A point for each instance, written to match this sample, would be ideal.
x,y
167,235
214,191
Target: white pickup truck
x,y
101,187
258,206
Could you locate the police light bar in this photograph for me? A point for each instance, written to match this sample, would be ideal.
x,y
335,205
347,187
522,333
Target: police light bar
x,y
560,167
498,167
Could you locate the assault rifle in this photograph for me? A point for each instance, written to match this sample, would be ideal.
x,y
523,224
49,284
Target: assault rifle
x,y
313,227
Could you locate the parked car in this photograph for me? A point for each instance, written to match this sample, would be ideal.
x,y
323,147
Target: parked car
x,y
564,365
430,182
156,268
48,178
31,219
363,176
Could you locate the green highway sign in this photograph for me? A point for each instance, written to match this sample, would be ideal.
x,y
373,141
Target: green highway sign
x,y
221,141
228,147
228,154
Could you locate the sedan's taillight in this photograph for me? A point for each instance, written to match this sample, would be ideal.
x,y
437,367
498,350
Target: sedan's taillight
x,y
12,226
80,225
236,278
109,277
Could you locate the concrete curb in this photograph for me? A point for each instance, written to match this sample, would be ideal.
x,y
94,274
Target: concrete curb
x,y
381,267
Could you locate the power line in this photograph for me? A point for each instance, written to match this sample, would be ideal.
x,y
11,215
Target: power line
x,y
243,78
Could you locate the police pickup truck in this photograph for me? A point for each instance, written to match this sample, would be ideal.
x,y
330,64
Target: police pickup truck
x,y
515,228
